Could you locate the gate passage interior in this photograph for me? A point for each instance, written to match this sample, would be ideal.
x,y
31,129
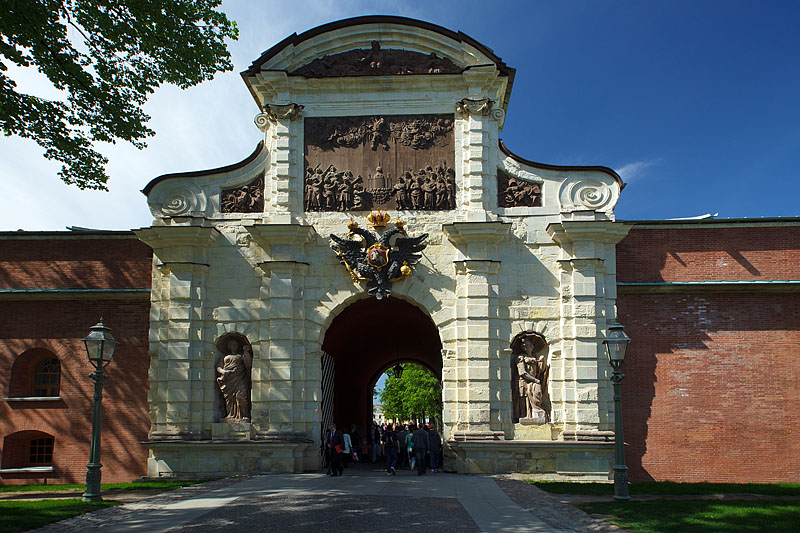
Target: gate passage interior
x,y
366,338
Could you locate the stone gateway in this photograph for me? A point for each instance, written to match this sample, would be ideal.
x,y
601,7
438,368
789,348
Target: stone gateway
x,y
495,272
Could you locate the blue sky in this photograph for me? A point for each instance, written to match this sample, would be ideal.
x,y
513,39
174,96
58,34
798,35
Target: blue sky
x,y
694,103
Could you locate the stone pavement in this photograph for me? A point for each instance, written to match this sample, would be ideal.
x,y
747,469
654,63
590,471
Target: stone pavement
x,y
361,500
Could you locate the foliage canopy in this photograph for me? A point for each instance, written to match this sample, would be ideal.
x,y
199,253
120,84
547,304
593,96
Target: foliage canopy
x,y
107,56
415,395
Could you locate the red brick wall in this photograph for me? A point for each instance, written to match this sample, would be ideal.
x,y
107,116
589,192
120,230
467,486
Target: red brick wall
x,y
712,384
73,263
706,253
58,326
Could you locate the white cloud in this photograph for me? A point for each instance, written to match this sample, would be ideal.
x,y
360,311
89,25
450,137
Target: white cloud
x,y
636,170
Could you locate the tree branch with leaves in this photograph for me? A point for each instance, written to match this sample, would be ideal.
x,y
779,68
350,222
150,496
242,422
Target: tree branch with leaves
x,y
117,55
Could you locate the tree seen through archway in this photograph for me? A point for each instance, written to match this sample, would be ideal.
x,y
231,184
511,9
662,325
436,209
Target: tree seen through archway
x,y
415,395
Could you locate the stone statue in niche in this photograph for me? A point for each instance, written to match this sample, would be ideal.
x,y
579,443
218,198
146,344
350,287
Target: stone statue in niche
x,y
514,192
233,376
376,62
529,372
245,199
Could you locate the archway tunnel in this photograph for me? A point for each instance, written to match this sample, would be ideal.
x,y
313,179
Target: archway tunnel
x,y
366,338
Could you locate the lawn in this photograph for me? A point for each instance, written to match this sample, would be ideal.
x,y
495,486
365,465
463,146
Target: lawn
x,y
25,515
671,488
689,516
75,487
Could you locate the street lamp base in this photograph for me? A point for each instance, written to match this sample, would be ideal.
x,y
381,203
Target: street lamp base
x,y
92,493
621,483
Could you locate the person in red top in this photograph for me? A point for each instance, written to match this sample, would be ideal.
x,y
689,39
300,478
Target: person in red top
x,y
335,446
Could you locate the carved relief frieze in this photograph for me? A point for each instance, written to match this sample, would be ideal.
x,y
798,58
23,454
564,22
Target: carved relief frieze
x,y
382,162
515,192
248,198
376,62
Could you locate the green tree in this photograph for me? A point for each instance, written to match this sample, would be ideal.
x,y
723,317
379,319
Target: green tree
x,y
415,395
124,50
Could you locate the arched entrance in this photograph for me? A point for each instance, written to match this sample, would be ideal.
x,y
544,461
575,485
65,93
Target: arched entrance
x,y
366,338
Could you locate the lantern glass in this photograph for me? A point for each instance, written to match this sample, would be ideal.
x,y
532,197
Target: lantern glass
x,y
616,342
100,344
397,371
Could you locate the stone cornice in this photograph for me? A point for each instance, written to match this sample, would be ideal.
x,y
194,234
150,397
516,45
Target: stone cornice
x,y
292,234
158,237
465,233
571,231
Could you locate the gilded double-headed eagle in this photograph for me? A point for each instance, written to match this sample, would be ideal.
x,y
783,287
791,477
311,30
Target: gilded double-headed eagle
x,y
378,260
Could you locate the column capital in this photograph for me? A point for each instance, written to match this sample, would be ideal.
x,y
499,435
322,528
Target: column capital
x,y
272,113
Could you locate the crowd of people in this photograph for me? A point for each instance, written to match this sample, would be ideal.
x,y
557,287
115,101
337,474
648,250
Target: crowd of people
x,y
397,446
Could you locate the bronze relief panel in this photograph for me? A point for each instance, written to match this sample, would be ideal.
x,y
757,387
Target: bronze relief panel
x,y
514,192
379,162
248,198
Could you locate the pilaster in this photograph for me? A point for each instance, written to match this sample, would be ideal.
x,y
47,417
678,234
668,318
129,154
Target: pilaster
x,y
480,121
471,403
580,392
284,195
285,382
178,385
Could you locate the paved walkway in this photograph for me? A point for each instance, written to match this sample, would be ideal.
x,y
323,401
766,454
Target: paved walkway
x,y
360,500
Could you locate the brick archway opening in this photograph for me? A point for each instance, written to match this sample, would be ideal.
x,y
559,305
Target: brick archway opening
x,y
368,337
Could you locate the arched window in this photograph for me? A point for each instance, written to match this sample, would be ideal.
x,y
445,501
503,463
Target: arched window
x,y
28,451
46,378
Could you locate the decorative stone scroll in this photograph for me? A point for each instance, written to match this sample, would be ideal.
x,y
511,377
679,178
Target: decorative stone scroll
x,y
379,162
529,375
470,106
596,194
376,62
245,199
275,112
514,192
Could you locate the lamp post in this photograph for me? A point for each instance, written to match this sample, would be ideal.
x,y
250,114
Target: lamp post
x,y
397,371
100,346
616,342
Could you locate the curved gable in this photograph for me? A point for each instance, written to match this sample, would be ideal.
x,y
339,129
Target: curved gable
x,y
398,35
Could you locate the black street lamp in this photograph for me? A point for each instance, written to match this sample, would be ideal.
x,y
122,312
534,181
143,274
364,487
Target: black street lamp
x,y
397,371
100,346
616,342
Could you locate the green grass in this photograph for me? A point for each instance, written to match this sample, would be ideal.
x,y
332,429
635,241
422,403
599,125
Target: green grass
x,y
74,487
671,488
25,515
688,516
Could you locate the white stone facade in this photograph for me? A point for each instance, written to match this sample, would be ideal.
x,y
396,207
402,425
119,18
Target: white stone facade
x,y
487,273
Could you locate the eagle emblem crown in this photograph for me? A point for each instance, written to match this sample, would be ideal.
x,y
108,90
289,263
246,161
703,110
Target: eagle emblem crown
x,y
378,260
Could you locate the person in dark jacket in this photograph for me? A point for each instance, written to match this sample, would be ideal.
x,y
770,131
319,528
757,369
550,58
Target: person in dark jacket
x,y
420,439
335,446
390,450
435,442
